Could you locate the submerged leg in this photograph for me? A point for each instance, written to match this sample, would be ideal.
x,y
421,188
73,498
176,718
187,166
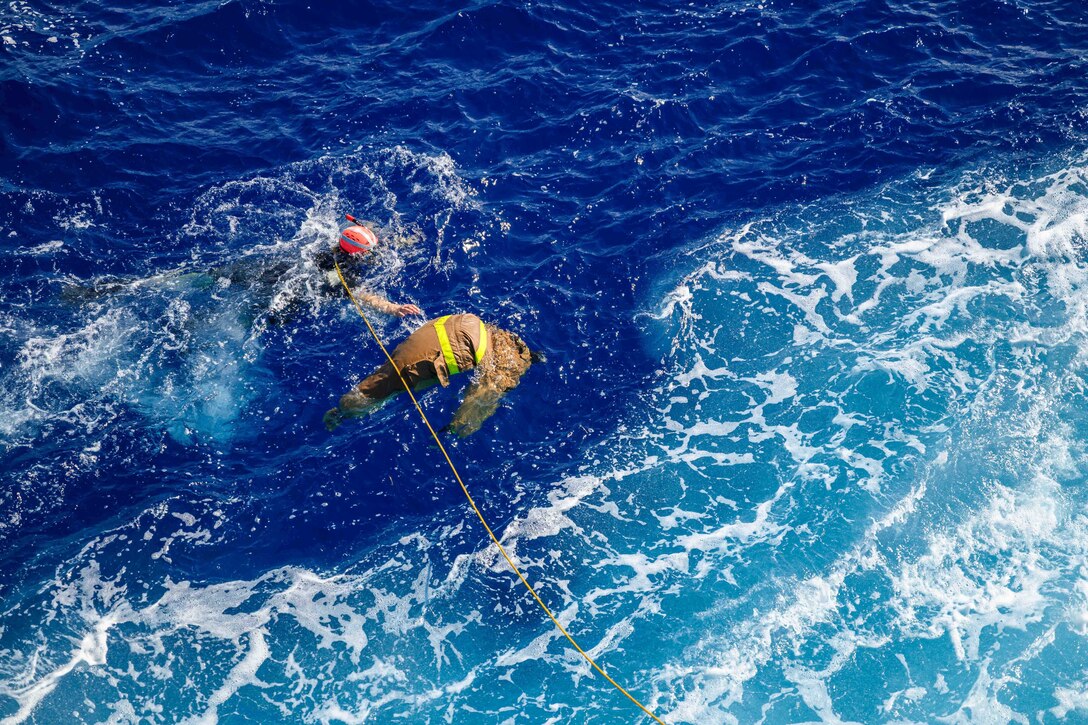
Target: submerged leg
x,y
366,397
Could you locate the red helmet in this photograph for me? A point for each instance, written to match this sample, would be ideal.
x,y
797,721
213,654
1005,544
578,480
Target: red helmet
x,y
357,239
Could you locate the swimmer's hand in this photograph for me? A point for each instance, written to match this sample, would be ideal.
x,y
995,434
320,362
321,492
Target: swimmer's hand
x,y
407,309
333,419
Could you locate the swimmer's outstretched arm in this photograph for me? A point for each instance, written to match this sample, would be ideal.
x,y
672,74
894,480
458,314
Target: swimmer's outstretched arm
x,y
379,303
480,403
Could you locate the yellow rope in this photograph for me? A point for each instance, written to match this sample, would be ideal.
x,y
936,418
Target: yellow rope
x,y
477,509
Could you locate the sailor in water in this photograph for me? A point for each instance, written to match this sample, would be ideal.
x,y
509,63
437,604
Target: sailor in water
x,y
437,350
277,289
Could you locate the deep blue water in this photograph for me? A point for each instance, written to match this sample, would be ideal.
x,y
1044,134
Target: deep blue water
x,y
808,447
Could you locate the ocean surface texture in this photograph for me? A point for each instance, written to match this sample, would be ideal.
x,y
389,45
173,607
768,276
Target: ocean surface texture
x,y
811,440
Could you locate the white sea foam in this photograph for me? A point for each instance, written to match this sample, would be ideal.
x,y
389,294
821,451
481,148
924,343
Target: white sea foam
x,y
288,627
919,308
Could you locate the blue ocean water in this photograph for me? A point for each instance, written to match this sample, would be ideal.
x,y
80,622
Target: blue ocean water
x,y
808,447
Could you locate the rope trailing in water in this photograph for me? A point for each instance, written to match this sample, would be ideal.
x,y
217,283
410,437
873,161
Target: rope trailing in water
x,y
476,508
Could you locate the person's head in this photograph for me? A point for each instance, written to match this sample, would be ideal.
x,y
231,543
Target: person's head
x,y
357,239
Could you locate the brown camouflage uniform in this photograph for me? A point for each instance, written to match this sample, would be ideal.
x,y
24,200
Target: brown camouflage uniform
x,y
421,362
